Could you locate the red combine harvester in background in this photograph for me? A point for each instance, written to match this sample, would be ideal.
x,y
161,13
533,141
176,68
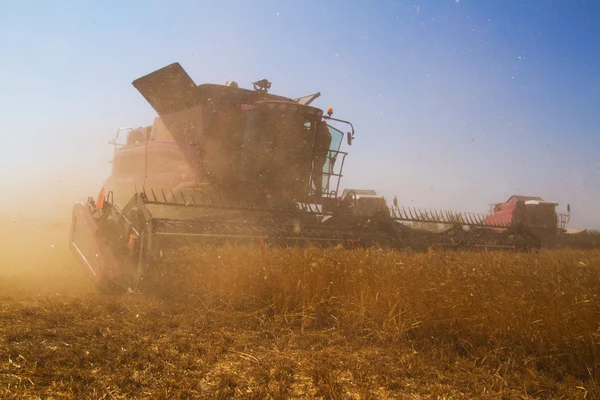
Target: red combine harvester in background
x,y
539,219
531,214
529,210
226,164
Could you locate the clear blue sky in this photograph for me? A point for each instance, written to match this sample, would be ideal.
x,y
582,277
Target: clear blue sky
x,y
456,103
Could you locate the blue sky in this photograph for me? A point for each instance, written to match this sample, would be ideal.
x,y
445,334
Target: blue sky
x,y
456,103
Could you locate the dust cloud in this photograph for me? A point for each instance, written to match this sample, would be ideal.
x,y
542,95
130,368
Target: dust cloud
x,y
34,233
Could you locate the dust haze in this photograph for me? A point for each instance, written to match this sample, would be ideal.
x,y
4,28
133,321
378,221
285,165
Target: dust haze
x,y
34,234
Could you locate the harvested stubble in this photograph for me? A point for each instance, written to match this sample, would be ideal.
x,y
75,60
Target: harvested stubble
x,y
268,323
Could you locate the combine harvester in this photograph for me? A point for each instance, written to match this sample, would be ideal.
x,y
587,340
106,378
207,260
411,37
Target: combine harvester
x,y
226,164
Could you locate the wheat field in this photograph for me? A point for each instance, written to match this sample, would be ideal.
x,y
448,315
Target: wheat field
x,y
254,323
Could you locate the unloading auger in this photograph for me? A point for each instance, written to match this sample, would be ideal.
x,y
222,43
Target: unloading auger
x,y
225,164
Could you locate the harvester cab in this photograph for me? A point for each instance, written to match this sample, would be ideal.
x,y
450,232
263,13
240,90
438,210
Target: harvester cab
x,y
247,142
231,142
